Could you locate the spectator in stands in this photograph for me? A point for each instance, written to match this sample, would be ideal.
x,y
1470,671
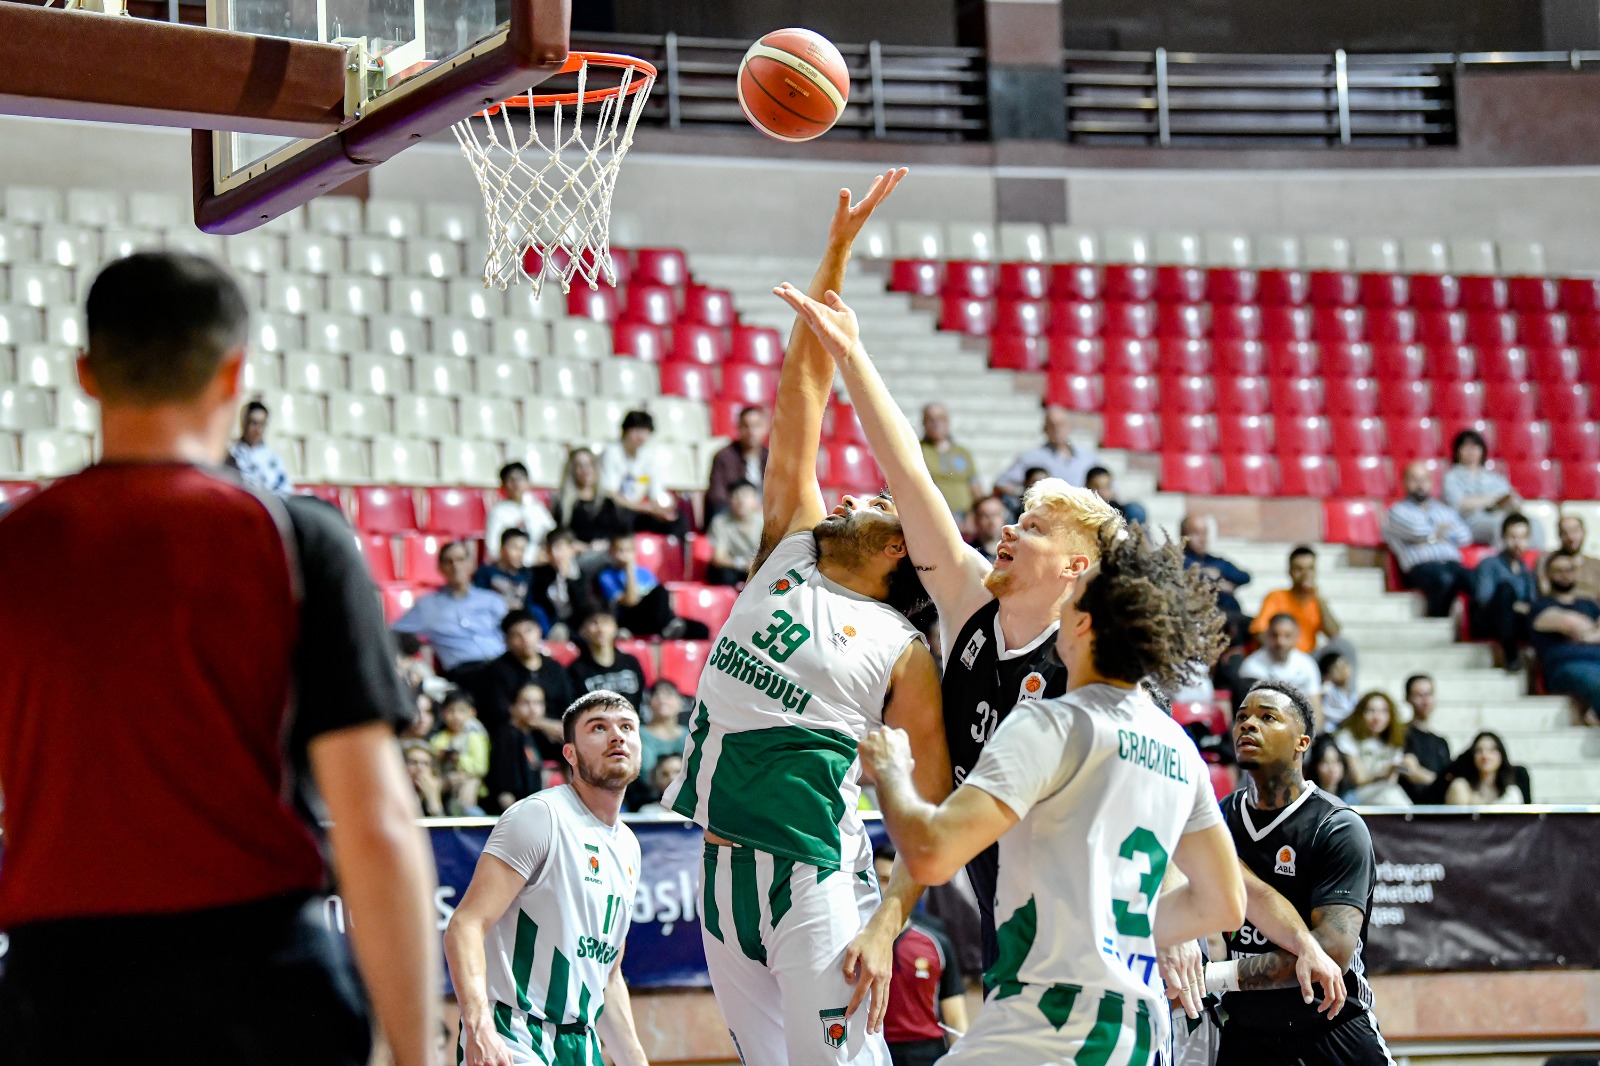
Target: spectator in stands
x,y
1426,538
1098,481
519,508
1503,591
1338,695
559,588
663,733
1328,767
1057,456
654,784
463,750
415,669
423,722
1034,475
951,466
638,598
423,768
1572,532
990,517
496,687
258,465
1375,739
1302,600
1483,776
735,537
1196,544
585,507
743,459
521,747
1427,756
600,665
630,471
462,623
1280,659
1482,497
509,575
1566,635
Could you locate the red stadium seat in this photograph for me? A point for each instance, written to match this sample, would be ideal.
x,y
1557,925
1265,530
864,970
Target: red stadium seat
x,y
1356,436
1249,475
1132,430
1189,434
1457,401
1239,358
756,346
1480,293
710,604
639,340
1208,715
1076,318
333,494
1442,327
751,384
457,512
692,343
1129,319
1075,392
1239,322
1520,439
1195,474
1399,399
1185,357
1008,351
599,304
1243,396
661,266
725,416
1365,475
1293,397
1244,434
1334,288
964,314
1130,355
1353,521
384,510
1224,780
1128,283
1021,318
1384,290
1303,434
650,303
1579,294
1554,365
1131,392
1452,362
1180,284
1075,281
968,278
1076,355
709,307
645,652
1231,285
1564,402
1023,281
662,556
1435,292
1399,362
621,263
1183,321
683,660
1535,479
1187,393
1575,442
841,425
1581,481
694,381
1283,287
700,550
419,558
564,652
398,598
1512,400
1349,397
1491,329
378,550
919,277
1391,325
1417,437
1584,326
1542,329
1280,323
1345,359
1338,324
1294,359
1307,475
852,466
1533,294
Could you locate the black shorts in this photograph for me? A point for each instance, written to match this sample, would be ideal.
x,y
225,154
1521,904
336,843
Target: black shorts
x,y
917,1052
1353,1042
257,984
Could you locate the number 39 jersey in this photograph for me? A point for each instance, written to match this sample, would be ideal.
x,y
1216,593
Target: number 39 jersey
x,y
796,679
1105,784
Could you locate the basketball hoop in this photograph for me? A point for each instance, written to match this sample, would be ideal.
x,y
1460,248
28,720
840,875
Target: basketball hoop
x,y
548,195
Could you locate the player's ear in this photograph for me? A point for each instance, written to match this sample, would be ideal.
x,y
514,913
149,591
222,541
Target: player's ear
x,y
896,548
86,380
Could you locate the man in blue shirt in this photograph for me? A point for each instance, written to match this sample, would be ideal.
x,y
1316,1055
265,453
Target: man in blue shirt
x,y
510,576
461,622
639,601
1196,542
1566,635
1426,537
1503,590
1058,456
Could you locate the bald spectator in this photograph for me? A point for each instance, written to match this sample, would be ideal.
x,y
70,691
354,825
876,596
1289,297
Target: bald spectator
x,y
744,459
1196,552
1278,659
1057,456
990,516
1426,537
951,465
1572,533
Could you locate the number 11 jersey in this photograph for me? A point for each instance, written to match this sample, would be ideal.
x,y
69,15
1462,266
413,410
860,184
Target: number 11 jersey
x,y
796,679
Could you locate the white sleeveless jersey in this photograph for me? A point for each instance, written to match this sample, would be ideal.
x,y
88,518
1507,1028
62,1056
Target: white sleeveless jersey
x,y
1105,784
796,680
550,954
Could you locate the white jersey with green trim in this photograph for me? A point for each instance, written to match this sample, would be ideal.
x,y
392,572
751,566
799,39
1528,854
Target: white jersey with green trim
x,y
796,680
550,954
1105,785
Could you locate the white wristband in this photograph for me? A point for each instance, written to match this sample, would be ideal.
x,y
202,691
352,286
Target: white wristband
x,y
1221,977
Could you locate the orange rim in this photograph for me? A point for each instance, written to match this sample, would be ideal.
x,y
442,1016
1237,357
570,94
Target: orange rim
x,y
576,60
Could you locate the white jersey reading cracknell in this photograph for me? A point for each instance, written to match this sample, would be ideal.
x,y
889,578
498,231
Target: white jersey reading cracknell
x,y
1105,784
797,678
550,954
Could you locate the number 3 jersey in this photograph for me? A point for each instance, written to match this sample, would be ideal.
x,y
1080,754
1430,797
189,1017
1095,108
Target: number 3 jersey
x,y
796,679
1105,784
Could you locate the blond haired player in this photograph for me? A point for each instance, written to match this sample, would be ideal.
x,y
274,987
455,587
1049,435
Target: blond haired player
x,y
812,658
996,621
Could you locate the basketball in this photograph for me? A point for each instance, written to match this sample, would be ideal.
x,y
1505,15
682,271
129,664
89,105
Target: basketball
x,y
793,85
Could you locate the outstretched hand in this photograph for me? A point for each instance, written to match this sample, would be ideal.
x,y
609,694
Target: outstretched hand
x,y
848,220
833,322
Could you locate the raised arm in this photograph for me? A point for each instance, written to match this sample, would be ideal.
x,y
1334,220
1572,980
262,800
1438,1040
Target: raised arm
x,y
791,497
951,572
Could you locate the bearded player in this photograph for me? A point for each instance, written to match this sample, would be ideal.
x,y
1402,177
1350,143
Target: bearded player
x,y
812,658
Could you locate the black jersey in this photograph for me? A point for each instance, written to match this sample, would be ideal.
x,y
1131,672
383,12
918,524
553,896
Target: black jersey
x,y
1316,852
983,680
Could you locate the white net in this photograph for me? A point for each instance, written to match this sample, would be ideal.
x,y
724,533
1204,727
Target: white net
x,y
548,191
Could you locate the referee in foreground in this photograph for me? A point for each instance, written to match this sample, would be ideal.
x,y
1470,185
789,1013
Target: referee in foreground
x,y
192,675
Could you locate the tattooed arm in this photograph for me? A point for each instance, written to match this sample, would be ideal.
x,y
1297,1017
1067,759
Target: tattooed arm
x,y
1337,930
1280,923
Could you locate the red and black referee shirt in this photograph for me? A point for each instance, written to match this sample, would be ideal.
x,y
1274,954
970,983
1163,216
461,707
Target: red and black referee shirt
x,y
925,973
170,643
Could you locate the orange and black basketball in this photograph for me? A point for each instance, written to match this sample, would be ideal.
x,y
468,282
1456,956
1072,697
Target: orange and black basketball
x,y
793,85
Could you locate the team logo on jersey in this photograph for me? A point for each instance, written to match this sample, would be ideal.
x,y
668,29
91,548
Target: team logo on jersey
x,y
1032,686
1285,864
787,583
923,967
833,1026
841,639
969,654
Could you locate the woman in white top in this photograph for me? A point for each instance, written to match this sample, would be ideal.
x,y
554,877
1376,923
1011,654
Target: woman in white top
x,y
1484,776
1482,497
1375,739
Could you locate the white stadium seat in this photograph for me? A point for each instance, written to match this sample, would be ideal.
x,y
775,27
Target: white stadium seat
x,y
54,452
77,247
1381,254
568,378
77,411
18,243
96,207
64,325
1522,259
313,372
10,455
338,216
547,304
292,294
159,210
335,333
425,417
41,286
358,416
918,240
47,366
436,375
315,253
1125,246
1177,248
195,242
1544,517
392,218
554,420
24,407
417,297
1024,242
397,334
502,375
1074,244
1220,249
1324,251
294,413
29,204
274,332
1472,256
876,240
403,462
20,325
678,419
602,419
470,299
338,460
469,462
452,222
525,340
263,370
432,259
256,252
579,338
1424,255
377,257
118,242
489,418
379,375
461,337
969,241
1275,251
545,462
628,379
